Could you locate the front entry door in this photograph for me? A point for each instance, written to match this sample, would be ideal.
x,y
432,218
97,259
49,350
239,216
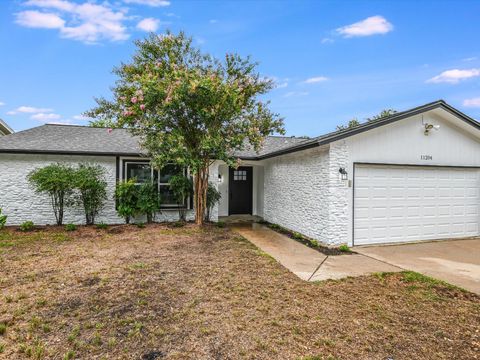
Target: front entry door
x,y
240,190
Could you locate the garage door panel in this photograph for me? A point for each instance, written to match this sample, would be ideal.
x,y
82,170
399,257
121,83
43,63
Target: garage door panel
x,y
406,203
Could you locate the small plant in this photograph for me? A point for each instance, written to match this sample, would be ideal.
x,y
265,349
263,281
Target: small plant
x,y
314,243
102,226
213,197
69,355
3,219
297,236
344,248
182,187
3,328
27,226
140,225
177,224
126,196
70,227
221,224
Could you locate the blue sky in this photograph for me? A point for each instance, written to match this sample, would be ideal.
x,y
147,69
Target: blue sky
x,y
332,60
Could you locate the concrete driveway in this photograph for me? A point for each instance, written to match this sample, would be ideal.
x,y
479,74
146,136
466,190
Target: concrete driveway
x,y
454,261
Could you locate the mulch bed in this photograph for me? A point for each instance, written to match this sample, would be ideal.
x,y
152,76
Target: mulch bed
x,y
190,293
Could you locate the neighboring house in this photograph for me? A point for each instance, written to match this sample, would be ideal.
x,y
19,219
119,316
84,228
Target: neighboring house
x,y
4,128
411,176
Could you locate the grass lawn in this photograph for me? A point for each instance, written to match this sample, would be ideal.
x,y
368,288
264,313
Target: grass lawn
x,y
185,293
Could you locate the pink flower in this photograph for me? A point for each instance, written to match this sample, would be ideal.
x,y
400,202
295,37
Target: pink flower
x,y
142,107
134,99
109,130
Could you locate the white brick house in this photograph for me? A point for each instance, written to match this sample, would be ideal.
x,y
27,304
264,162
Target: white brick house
x,y
411,176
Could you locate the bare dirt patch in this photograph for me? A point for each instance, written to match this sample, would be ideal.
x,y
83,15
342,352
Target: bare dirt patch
x,y
186,293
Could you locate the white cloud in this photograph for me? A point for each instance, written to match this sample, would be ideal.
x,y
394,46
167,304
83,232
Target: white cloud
x,y
81,117
2,103
154,3
213,21
474,102
314,80
36,19
473,58
454,76
29,110
87,22
45,117
295,93
148,24
282,85
327,41
370,26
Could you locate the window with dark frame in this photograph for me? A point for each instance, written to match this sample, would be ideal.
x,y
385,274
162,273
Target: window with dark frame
x,y
239,175
143,172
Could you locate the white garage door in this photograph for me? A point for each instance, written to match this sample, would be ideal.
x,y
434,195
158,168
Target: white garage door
x,y
410,203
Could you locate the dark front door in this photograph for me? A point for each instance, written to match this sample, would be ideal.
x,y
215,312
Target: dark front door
x,y
240,190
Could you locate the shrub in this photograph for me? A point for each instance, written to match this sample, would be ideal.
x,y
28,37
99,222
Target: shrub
x,y
102,226
140,225
126,198
182,187
92,189
344,248
148,200
213,197
56,180
3,220
221,224
70,227
27,226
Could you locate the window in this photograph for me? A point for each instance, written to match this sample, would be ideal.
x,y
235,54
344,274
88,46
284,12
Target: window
x,y
239,175
143,173
166,194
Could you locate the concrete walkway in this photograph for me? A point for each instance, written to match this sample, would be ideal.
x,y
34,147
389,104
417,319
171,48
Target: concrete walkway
x,y
306,263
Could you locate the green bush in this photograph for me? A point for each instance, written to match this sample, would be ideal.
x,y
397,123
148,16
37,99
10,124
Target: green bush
x,y
140,225
89,180
3,219
102,226
213,197
148,200
27,226
70,227
221,224
344,248
56,180
182,187
126,194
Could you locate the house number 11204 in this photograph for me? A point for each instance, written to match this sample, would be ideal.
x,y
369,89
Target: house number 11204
x,y
426,157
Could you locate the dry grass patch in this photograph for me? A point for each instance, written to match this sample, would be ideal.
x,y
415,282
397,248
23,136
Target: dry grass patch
x,y
186,293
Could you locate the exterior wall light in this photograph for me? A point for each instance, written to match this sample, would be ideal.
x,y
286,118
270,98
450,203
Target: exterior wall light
x,y
220,178
429,127
343,173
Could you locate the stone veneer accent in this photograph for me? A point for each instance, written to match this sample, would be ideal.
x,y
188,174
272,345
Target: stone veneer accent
x,y
20,203
304,193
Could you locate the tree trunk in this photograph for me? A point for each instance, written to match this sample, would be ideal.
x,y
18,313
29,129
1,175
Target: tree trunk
x,y
201,185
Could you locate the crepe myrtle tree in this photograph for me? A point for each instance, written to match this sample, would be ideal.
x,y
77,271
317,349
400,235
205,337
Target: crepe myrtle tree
x,y
188,107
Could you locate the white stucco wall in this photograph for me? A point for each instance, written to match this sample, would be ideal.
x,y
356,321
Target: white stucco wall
x,y
296,192
20,203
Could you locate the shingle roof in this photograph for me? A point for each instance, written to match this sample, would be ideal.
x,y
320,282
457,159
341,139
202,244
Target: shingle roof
x,y
71,139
